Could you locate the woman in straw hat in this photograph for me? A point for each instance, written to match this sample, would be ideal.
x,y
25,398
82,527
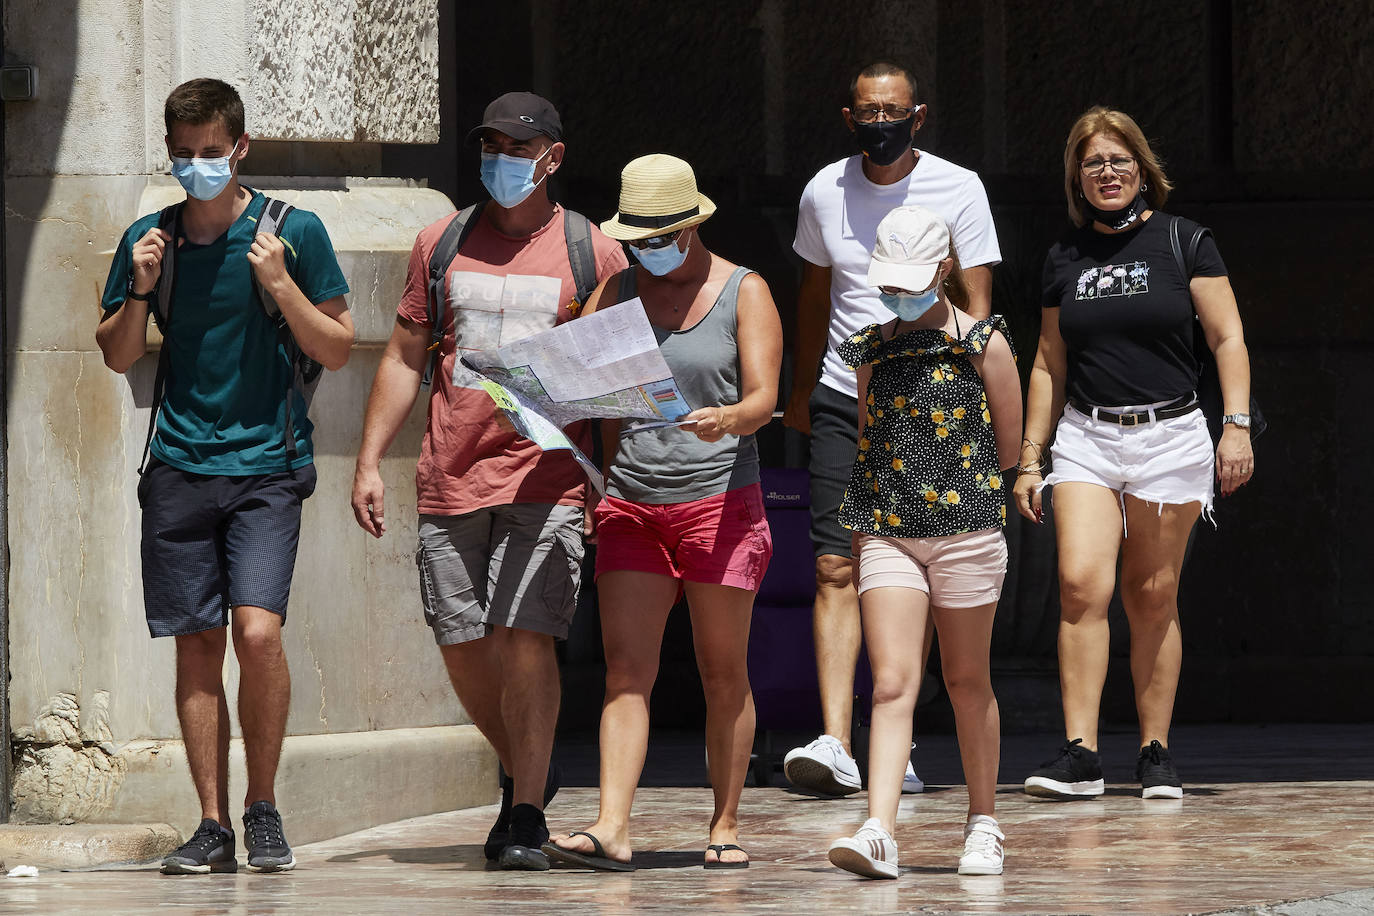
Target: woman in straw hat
x,y
684,511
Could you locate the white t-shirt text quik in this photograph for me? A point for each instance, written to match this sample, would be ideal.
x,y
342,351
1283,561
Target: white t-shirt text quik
x,y
837,226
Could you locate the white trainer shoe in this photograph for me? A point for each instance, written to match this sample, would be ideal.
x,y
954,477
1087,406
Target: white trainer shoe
x,y
983,853
911,783
870,852
822,766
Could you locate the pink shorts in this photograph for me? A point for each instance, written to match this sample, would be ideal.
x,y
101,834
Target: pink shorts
x,y
719,540
956,571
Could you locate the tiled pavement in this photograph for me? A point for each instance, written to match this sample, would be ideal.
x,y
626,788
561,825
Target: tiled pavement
x,y
1270,815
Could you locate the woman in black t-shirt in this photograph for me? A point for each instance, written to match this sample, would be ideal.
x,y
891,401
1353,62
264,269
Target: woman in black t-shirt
x,y
1133,462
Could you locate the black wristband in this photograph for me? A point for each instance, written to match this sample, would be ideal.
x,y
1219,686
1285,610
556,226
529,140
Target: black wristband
x,y
131,294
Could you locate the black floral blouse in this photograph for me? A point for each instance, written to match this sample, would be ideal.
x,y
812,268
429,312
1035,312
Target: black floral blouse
x,y
927,462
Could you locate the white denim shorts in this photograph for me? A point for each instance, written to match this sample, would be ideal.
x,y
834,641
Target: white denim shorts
x,y
1166,461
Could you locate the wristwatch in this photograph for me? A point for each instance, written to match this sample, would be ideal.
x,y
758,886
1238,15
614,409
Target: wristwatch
x,y
1241,420
131,294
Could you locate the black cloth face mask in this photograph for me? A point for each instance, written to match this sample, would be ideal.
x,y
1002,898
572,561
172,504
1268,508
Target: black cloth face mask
x,y
884,142
1118,219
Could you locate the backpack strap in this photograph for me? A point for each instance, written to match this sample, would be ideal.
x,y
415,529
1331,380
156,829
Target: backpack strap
x,y
305,372
1185,259
626,285
1190,253
445,250
168,221
270,221
577,231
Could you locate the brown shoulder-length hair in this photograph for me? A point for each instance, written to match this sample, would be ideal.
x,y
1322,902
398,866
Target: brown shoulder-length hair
x,y
1103,120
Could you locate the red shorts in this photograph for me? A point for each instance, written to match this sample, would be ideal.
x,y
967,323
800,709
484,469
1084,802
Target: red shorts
x,y
719,540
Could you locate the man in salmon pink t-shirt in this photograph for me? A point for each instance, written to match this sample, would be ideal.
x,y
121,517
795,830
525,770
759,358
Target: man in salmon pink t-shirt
x,y
500,534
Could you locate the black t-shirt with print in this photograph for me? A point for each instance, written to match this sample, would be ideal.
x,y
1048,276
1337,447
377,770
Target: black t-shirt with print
x,y
1125,312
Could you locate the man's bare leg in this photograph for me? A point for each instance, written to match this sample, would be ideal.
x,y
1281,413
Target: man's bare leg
x,y
204,715
264,697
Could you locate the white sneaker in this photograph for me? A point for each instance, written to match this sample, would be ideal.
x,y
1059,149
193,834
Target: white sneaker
x,y
870,852
982,847
911,783
822,766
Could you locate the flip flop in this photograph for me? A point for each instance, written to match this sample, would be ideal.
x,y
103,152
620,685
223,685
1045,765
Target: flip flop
x,y
599,861
720,849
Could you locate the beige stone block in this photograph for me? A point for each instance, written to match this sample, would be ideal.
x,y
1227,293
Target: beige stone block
x,y
301,57
60,234
82,846
351,70
88,116
327,785
76,612
396,70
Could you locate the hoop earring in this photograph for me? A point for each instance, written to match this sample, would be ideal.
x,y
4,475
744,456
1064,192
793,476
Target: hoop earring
x,y
1079,191
1144,186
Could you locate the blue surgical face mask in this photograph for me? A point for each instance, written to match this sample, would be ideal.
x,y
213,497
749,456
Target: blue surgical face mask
x,y
909,306
662,261
204,179
510,179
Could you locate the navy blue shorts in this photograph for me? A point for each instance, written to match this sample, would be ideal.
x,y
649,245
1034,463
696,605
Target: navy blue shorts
x,y
834,443
212,543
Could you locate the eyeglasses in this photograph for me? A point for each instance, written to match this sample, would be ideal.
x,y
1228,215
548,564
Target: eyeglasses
x,y
656,241
1121,165
889,113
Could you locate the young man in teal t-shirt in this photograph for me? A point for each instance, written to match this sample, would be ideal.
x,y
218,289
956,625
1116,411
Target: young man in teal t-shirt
x,y
222,490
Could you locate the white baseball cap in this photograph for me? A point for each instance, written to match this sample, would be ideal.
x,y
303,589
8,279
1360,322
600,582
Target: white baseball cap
x,y
912,241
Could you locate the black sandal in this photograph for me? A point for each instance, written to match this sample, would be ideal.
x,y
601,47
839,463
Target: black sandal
x,y
720,849
599,860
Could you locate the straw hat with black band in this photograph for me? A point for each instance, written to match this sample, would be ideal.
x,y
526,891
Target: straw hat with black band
x,y
658,196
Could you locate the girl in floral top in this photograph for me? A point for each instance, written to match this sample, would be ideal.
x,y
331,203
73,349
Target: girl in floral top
x,y
939,420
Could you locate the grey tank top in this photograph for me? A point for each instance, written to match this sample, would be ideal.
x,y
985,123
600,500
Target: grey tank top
x,y
672,465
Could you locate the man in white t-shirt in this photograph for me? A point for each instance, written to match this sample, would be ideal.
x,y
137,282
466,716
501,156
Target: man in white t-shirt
x,y
836,229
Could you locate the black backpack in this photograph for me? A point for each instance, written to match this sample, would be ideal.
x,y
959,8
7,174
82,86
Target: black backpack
x,y
577,232
306,372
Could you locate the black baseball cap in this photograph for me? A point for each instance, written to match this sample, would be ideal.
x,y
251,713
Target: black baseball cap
x,y
521,115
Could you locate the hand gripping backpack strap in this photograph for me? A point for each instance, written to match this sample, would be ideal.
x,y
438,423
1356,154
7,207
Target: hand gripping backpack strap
x,y
168,221
445,250
577,231
305,372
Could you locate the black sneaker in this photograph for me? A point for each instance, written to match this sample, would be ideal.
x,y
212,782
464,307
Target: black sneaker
x,y
528,832
498,838
210,849
267,848
1075,773
1155,770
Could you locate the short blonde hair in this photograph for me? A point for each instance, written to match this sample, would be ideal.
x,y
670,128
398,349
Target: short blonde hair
x,y
1102,120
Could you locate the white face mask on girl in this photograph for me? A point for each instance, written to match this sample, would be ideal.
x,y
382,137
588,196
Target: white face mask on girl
x,y
909,306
